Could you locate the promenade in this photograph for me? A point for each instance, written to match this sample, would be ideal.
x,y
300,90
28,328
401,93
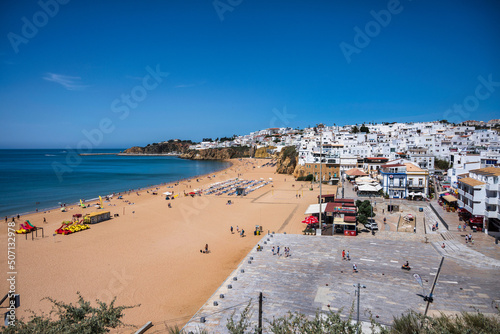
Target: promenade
x,y
315,278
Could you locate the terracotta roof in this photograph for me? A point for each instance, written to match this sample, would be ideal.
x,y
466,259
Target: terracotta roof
x,y
488,171
355,172
413,168
471,182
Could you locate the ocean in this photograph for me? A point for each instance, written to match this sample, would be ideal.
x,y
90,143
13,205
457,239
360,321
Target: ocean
x,y
44,179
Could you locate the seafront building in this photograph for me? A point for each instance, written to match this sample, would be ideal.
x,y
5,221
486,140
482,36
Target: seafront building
x,y
401,156
479,196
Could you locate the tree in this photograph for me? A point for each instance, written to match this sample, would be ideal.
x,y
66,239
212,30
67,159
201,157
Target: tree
x,y
441,164
79,318
364,209
355,129
364,129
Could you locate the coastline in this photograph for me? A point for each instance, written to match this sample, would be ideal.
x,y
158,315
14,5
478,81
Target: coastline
x,y
134,154
150,254
77,203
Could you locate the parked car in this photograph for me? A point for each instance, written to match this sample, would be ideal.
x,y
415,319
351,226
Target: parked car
x,y
371,224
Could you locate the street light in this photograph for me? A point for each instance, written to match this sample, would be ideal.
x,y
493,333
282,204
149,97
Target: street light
x,y
359,286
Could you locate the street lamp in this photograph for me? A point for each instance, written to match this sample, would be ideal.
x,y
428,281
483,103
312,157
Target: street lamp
x,y
359,286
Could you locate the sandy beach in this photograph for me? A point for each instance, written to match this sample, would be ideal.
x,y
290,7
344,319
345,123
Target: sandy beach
x,y
150,254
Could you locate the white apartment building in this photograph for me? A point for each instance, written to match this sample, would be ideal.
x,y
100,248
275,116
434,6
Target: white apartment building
x,y
479,195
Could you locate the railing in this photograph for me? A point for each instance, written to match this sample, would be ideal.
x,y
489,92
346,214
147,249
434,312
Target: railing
x,y
439,216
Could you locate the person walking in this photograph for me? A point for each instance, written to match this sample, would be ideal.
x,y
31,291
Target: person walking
x,y
206,248
278,251
347,256
354,268
232,230
343,254
274,251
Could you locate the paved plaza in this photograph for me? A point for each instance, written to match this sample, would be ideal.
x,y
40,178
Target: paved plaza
x,y
315,278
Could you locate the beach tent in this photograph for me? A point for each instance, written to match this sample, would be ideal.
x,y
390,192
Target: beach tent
x,y
168,193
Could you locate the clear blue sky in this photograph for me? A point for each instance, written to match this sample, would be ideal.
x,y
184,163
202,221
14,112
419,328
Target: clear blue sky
x,y
237,74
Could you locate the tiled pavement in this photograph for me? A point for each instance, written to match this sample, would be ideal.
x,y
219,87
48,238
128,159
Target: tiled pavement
x,y
315,276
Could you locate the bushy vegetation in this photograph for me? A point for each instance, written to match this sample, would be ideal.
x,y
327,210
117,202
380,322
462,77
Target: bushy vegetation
x,y
364,211
441,164
309,178
289,152
81,318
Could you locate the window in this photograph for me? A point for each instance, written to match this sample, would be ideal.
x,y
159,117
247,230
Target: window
x,y
420,182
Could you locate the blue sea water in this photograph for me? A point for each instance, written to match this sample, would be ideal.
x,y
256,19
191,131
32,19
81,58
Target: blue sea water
x,y
42,179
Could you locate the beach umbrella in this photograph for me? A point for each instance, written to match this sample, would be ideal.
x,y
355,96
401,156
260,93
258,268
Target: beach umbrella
x,y
192,193
310,220
168,193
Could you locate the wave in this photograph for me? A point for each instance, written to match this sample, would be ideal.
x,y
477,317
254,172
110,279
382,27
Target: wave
x,y
50,155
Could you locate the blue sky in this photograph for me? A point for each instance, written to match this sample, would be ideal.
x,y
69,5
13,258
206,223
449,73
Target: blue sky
x,y
238,66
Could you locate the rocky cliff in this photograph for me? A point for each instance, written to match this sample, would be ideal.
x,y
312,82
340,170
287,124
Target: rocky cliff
x,y
170,147
219,153
287,160
263,152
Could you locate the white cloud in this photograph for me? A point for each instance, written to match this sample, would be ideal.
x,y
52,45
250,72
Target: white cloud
x,y
68,82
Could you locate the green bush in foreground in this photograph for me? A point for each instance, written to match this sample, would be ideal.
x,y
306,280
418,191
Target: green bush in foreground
x,y
81,318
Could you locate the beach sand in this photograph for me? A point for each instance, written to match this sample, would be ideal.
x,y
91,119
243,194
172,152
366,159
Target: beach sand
x,y
150,254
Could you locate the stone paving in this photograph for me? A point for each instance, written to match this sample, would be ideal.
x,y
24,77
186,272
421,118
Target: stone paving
x,y
315,278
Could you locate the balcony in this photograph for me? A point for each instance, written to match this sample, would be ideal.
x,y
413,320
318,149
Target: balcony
x,y
468,196
493,187
492,214
492,200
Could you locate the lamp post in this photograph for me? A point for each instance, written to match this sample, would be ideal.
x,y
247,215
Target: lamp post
x,y
359,286
320,178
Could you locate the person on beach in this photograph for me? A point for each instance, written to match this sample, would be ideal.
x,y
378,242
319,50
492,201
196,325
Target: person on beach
x,y
5,218
343,254
44,220
274,251
354,268
278,251
237,229
443,246
232,230
347,256
206,248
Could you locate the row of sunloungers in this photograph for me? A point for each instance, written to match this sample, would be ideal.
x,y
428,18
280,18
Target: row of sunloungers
x,y
229,187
